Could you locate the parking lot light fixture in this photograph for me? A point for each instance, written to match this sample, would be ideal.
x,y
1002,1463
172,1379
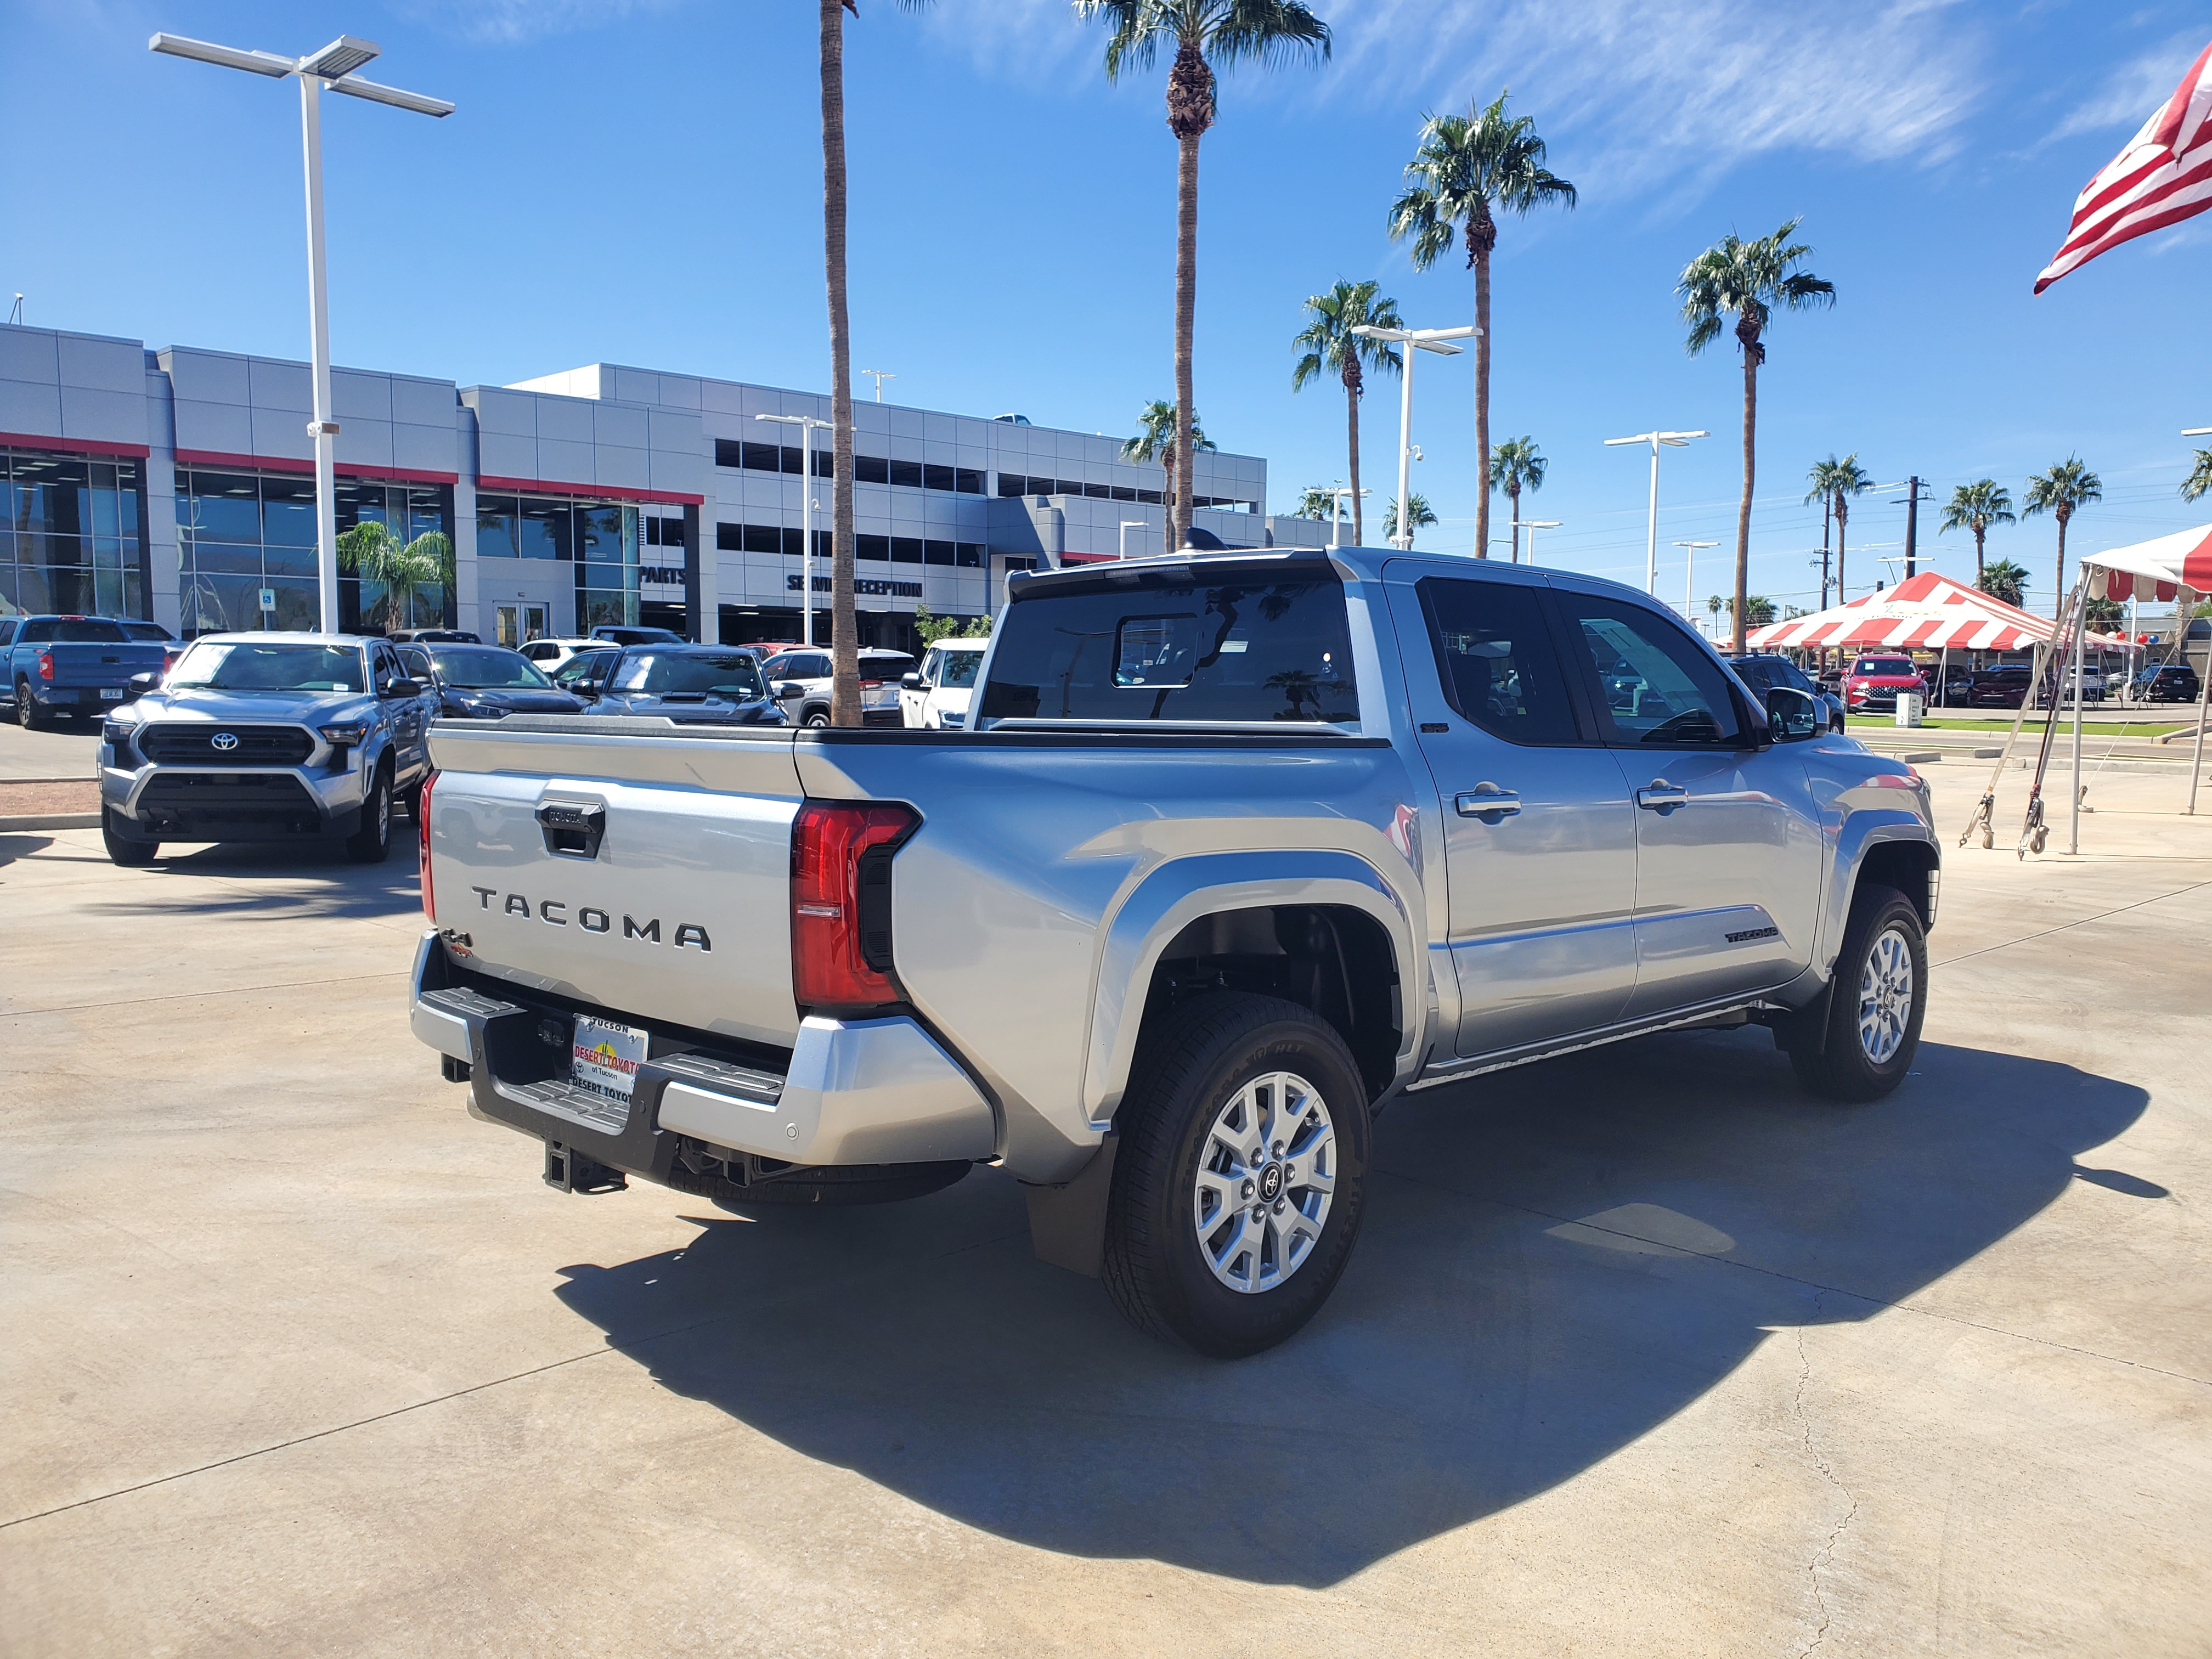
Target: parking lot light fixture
x,y
1128,524
1532,525
1412,339
1690,580
332,67
808,425
1657,441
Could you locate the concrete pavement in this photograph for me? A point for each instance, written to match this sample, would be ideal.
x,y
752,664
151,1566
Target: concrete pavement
x,y
1643,1351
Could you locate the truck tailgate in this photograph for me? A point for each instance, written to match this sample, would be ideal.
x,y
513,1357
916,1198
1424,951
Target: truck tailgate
x,y
627,863
79,663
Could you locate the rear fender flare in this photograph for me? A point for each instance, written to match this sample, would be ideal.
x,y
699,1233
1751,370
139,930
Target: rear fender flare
x,y
1178,893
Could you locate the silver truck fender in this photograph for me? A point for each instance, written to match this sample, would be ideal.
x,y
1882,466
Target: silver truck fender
x,y
1177,893
1863,830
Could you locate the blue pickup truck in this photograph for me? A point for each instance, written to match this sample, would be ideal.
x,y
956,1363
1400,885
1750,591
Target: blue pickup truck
x,y
57,665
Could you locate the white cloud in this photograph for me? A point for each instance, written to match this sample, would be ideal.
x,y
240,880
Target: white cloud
x,y
2132,91
508,23
1630,94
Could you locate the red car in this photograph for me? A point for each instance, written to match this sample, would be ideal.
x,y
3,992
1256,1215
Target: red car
x,y
1872,684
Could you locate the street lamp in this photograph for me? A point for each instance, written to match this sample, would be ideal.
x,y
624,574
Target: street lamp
x,y
1689,579
333,66
1336,495
1128,524
1532,525
2186,432
881,376
1671,440
808,426
1422,339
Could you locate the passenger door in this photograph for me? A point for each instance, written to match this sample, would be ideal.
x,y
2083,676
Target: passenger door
x,y
1729,848
914,700
404,714
1540,838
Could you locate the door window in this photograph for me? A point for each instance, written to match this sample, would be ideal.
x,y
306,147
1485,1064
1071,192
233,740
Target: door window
x,y
505,627
1655,684
1496,658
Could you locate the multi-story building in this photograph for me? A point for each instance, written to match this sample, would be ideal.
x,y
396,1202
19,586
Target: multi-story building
x,y
178,484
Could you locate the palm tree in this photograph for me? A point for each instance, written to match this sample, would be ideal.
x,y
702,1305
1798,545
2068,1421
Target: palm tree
x,y
1833,483
844,635
373,550
1418,517
1329,344
1316,502
1976,507
1202,34
1748,281
2062,490
1515,466
2000,579
1757,612
1469,169
1713,606
1155,442
2200,476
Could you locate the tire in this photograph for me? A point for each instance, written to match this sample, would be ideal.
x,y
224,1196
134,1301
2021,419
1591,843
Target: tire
x,y
1214,1061
121,849
816,717
833,1186
1853,1065
27,709
372,842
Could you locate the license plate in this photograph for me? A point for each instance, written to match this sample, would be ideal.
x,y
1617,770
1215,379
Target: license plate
x,y
111,693
604,1057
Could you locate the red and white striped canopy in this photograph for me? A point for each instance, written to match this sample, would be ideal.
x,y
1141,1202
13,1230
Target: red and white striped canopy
x,y
2161,567
1927,611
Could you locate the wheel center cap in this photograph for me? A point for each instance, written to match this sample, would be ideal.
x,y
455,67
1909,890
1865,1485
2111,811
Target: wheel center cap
x,y
1271,1183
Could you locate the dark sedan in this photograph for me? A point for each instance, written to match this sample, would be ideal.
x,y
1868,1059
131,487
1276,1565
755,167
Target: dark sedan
x,y
486,681
718,684
2170,682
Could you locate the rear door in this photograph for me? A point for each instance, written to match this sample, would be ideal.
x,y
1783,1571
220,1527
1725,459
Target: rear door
x,y
1729,847
1540,838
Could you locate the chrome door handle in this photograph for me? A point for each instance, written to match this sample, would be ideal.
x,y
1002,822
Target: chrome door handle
x,y
1658,795
1488,802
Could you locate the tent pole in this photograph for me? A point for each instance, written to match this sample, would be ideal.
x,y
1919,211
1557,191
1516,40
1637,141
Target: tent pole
x,y
2203,705
2080,637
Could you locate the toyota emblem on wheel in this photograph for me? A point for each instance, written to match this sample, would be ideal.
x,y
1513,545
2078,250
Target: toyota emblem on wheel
x,y
225,741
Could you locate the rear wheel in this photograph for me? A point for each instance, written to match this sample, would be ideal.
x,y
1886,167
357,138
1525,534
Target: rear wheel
x,y
120,849
1875,1009
372,842
27,707
1241,1175
816,717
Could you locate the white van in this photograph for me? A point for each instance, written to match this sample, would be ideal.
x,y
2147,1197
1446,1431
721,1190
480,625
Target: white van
x,y
936,697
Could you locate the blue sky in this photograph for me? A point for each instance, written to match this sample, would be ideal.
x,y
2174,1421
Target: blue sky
x,y
639,183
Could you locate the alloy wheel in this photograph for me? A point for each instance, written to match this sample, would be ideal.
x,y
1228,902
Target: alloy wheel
x,y
1885,996
1266,1177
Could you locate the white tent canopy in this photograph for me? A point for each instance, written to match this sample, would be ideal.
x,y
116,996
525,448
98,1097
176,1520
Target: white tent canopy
x,y
2161,567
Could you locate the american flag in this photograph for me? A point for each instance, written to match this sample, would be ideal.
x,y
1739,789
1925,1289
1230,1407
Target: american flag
x,y
2160,179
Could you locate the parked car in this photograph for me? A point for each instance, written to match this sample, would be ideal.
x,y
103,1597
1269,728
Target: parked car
x,y
719,684
486,681
1762,672
586,673
553,654
2005,686
434,637
1871,684
2172,682
1165,977
881,673
172,646
618,633
2093,686
935,697
265,737
55,666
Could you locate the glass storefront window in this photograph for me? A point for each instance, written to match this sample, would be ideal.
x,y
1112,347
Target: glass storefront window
x,y
60,515
498,519
288,512
546,530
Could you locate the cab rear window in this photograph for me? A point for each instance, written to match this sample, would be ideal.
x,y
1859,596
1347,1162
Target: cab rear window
x,y
1173,644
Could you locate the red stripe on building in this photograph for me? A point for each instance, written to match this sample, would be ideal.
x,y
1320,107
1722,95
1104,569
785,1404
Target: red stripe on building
x,y
288,463
72,446
609,492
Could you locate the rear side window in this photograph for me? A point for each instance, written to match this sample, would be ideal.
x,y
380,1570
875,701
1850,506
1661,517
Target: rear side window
x,y
1178,645
89,630
1496,658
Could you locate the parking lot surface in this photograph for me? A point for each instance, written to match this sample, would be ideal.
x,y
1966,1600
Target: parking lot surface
x,y
1643,1351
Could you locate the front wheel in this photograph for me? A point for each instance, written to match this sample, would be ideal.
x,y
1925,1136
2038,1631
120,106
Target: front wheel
x,y
121,849
1241,1175
1878,1003
372,842
816,717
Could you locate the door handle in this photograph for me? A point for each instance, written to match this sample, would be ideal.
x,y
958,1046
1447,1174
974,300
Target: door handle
x,y
1659,795
1488,802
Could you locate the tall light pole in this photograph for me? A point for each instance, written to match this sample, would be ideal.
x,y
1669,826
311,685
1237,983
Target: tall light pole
x,y
1657,440
808,426
1128,524
333,66
881,376
1414,339
1336,495
1532,525
1690,579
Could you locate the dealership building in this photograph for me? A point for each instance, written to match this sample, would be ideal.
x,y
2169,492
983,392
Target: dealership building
x,y
177,484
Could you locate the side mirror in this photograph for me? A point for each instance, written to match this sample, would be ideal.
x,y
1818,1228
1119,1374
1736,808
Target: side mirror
x,y
790,689
142,684
402,688
1791,716
585,688
911,681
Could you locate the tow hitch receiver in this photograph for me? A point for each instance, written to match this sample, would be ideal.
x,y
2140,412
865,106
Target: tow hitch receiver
x,y
568,1170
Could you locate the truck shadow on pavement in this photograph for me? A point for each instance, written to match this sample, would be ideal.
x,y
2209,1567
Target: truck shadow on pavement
x,y
271,879
1554,1260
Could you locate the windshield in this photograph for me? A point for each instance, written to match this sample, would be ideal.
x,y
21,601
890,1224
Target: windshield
x,y
957,669
238,666
877,666
727,674
1885,665
479,667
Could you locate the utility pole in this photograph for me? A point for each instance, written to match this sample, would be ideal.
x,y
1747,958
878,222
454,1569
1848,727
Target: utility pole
x,y
1912,488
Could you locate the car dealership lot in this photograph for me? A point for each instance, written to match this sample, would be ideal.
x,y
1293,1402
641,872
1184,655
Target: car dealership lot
x,y
1641,1351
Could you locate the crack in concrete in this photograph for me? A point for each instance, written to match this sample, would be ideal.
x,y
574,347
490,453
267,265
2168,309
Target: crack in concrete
x,y
1825,1554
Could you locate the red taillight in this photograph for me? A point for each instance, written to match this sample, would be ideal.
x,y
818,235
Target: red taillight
x,y
423,834
841,901
46,665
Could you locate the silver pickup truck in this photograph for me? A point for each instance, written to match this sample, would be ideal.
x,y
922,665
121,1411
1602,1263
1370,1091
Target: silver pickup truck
x,y
1241,848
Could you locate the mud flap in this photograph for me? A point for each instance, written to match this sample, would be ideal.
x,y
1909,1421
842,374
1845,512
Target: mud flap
x,y
1067,1224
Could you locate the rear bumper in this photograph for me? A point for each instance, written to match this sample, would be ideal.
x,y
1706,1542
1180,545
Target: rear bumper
x,y
85,699
867,1091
